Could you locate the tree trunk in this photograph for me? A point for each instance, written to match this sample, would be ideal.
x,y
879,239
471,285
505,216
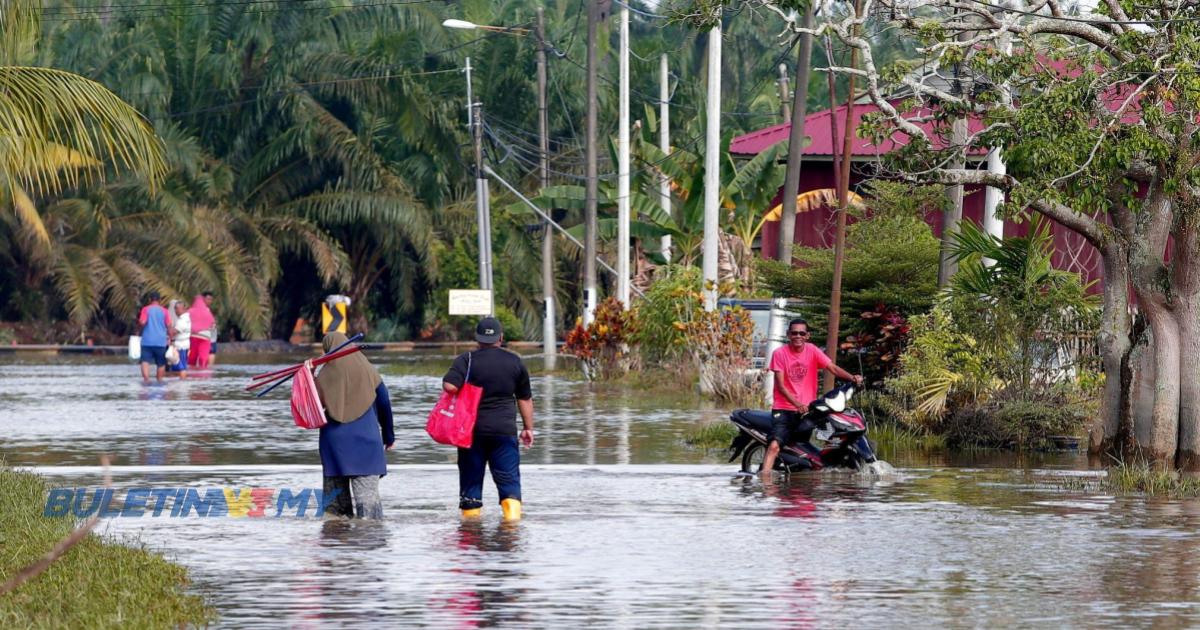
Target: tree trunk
x,y
1187,308
1113,431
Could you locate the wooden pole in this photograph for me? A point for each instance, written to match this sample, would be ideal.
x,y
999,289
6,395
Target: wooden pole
x,y
791,184
843,190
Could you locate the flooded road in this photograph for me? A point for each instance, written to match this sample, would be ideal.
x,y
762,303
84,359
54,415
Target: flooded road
x,y
625,525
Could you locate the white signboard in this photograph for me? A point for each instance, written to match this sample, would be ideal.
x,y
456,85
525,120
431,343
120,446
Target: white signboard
x,y
470,302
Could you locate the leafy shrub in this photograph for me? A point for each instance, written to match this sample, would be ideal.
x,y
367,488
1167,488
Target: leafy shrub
x,y
884,333
674,294
602,347
514,328
942,368
1020,424
386,329
720,343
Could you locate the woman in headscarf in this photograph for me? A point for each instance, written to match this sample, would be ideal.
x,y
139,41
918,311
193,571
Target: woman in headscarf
x,y
359,431
202,324
181,335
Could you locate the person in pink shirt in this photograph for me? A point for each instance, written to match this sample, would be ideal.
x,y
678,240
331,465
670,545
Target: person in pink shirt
x,y
796,366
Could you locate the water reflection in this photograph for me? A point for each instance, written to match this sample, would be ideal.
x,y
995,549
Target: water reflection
x,y
485,587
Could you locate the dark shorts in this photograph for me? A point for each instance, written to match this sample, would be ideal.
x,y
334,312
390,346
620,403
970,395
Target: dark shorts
x,y
787,425
155,354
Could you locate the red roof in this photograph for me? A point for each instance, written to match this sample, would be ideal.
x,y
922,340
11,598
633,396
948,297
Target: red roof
x,y
816,126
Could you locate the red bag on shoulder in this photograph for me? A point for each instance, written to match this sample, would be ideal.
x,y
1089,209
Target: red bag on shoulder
x,y
307,410
452,420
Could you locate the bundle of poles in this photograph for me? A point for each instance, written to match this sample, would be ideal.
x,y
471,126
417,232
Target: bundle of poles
x,y
279,377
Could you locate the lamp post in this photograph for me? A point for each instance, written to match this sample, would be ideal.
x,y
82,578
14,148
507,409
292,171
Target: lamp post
x,y
549,335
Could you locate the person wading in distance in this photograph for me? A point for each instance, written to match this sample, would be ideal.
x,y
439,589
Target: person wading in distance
x,y
505,384
796,366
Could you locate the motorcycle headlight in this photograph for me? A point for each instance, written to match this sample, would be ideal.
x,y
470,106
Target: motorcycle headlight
x,y
837,402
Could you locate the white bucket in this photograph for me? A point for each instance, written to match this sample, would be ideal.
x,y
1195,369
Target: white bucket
x,y
135,347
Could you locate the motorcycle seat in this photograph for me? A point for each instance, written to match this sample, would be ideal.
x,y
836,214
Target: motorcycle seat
x,y
753,419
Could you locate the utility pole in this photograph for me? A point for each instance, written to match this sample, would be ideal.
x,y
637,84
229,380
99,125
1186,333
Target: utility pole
x,y
664,144
481,207
784,93
549,334
712,169
590,172
795,160
843,190
623,164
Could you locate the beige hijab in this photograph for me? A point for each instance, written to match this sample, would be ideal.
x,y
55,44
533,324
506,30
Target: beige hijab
x,y
347,385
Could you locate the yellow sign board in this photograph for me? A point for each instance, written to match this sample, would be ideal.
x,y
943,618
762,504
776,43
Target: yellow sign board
x,y
334,321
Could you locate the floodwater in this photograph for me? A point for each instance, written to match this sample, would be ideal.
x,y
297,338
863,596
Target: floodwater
x,y
625,525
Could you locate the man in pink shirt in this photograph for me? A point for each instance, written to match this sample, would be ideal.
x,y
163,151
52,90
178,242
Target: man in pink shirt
x,y
796,366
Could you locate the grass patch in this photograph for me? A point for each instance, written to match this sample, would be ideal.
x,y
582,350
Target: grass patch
x,y
97,584
711,436
894,437
1142,478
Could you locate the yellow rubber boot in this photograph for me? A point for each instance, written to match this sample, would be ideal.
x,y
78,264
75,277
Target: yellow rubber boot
x,y
511,509
472,513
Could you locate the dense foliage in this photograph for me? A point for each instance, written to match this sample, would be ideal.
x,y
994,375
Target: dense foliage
x,y
320,147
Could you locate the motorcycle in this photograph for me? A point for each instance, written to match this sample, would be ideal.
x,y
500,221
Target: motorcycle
x,y
842,432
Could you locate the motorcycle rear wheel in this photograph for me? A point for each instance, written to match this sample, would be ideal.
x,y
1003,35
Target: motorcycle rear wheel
x,y
752,458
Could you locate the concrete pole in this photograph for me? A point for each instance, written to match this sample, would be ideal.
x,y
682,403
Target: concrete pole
x,y
590,172
549,336
776,334
623,166
481,206
785,107
664,144
712,170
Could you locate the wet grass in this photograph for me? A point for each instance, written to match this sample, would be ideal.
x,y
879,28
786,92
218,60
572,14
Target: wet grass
x,y
893,437
714,435
1138,478
98,583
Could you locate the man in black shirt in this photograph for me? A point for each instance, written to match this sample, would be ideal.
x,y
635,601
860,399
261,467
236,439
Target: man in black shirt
x,y
505,384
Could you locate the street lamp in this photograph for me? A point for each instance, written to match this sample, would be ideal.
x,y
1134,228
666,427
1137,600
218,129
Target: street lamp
x,y
471,26
474,113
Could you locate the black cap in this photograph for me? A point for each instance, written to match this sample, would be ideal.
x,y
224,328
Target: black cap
x,y
488,330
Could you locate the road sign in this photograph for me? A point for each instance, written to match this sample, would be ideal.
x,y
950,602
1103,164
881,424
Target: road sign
x,y
333,314
470,302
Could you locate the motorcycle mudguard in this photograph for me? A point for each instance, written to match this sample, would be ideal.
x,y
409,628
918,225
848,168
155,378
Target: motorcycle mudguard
x,y
864,449
739,444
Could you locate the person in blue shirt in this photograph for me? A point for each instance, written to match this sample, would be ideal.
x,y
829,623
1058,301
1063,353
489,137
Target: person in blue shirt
x,y
153,322
359,431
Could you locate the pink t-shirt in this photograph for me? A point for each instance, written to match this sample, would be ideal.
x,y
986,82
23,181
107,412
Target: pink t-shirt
x,y
799,370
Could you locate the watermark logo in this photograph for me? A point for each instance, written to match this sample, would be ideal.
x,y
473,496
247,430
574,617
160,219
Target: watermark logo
x,y
188,502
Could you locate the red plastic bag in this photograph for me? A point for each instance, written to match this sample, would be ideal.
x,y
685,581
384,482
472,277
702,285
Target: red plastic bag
x,y
452,420
307,410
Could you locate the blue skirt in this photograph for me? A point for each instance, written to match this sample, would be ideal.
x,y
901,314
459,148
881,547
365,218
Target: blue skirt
x,y
353,449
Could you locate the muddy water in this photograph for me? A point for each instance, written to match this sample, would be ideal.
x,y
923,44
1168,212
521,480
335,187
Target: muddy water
x,y
625,525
